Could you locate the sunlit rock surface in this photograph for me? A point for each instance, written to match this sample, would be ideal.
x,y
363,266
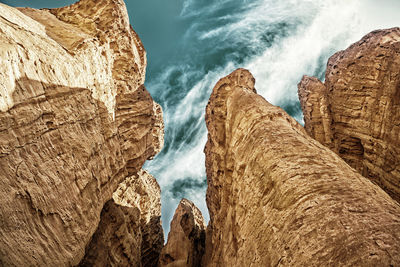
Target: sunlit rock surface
x,y
186,239
75,121
356,111
278,197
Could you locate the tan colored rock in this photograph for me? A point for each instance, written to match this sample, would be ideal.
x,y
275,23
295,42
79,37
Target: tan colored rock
x,y
185,246
130,231
117,240
75,121
356,112
144,192
278,197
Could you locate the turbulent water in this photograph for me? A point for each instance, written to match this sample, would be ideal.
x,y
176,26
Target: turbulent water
x,y
193,43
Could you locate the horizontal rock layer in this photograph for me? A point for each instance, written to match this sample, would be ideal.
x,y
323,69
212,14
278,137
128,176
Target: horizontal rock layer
x,y
356,111
278,197
75,121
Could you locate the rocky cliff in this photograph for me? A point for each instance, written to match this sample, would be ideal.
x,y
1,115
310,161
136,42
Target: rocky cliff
x,y
278,197
186,239
356,111
75,122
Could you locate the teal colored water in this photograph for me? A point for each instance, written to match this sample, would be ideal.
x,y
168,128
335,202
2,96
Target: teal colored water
x,y
193,43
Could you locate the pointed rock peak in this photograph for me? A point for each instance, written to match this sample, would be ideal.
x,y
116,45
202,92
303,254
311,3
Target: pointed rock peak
x,y
314,103
240,77
186,239
189,208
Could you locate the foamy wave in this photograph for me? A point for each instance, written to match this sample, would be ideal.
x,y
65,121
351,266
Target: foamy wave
x,y
280,68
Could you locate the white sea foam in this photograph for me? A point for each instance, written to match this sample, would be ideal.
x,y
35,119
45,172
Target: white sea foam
x,y
280,68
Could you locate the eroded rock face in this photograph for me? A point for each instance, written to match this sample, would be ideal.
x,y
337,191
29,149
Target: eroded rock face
x,y
116,241
356,111
75,121
278,197
143,191
186,239
130,231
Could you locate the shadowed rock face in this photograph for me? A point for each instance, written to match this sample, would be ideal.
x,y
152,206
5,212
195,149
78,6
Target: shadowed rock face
x,y
356,111
117,239
185,247
130,231
278,197
143,191
75,122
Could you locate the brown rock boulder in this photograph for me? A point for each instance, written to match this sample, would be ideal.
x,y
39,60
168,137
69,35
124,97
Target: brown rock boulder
x,y
75,121
185,246
356,112
278,197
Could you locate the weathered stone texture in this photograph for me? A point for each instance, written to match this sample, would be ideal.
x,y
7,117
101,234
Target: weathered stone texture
x,y
356,111
186,239
116,241
278,197
130,231
143,191
75,121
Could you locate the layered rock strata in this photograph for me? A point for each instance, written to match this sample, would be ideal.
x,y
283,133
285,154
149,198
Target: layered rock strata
x,y
356,111
130,231
186,239
75,121
278,197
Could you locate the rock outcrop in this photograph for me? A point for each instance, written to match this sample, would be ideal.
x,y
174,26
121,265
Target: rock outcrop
x,y
75,122
356,111
130,231
116,241
278,197
186,239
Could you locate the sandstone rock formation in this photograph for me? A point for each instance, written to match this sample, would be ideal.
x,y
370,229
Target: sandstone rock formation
x,y
278,197
186,239
116,241
356,111
130,231
75,121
